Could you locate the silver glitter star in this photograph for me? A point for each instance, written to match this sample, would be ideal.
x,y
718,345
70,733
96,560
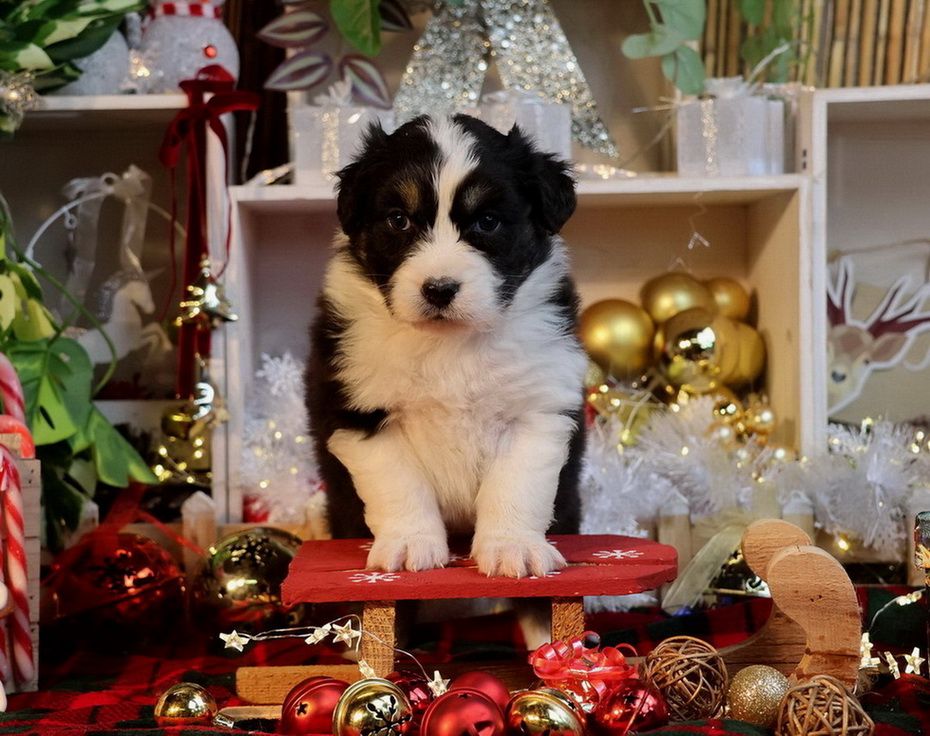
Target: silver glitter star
x,y
345,633
914,662
437,685
235,640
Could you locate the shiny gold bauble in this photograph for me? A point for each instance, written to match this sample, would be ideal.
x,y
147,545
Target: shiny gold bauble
x,y
751,356
755,694
731,298
727,407
691,351
760,418
544,712
618,337
238,585
185,703
372,706
665,296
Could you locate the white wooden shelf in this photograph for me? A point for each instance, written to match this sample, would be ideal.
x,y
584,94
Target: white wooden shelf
x,y
639,191
101,112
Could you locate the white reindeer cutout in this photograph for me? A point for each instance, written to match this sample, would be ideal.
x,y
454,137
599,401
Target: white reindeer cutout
x,y
124,298
856,348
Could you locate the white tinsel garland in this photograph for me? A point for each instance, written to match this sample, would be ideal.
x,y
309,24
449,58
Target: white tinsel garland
x,y
277,458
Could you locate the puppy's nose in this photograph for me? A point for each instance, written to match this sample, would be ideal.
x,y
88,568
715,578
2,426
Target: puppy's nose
x,y
440,292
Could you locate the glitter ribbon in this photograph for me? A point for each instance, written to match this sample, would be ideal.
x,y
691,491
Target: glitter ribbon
x,y
449,62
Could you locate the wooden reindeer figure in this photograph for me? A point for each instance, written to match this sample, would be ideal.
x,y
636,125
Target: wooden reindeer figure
x,y
856,348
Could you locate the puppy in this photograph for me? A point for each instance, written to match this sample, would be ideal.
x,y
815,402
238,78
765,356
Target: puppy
x,y
445,377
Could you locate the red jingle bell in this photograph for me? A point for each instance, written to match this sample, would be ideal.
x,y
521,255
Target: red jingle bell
x,y
462,711
485,683
633,706
308,707
415,688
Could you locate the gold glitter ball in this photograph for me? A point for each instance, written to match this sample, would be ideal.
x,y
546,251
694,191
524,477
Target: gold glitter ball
x,y
755,694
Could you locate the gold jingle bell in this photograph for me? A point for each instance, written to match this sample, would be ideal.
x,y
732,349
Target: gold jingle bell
x,y
692,351
671,293
372,707
544,712
617,335
731,298
184,703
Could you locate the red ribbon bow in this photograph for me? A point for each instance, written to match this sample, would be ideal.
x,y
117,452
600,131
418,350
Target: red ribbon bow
x,y
210,95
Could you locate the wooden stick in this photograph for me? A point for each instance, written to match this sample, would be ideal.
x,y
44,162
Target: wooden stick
x,y
567,618
378,618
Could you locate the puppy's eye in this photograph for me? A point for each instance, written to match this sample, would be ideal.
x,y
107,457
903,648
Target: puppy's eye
x,y
398,221
487,223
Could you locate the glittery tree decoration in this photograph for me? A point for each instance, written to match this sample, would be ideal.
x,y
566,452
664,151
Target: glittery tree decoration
x,y
449,62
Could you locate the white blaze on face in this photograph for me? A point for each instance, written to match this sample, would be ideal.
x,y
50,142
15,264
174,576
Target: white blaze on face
x,y
441,252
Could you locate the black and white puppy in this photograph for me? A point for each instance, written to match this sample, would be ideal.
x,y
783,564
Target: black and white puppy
x,y
445,378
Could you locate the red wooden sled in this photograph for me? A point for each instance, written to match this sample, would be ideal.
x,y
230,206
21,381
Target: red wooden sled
x,y
329,571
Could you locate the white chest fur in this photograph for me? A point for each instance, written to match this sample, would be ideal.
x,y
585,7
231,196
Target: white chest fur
x,y
454,394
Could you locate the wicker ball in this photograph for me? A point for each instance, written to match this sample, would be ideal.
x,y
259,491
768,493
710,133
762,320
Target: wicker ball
x,y
822,706
690,674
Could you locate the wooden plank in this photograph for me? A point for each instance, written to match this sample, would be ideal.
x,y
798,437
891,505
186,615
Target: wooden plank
x,y
270,685
334,570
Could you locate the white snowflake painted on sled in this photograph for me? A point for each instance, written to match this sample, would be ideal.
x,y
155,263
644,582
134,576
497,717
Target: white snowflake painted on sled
x,y
618,554
374,577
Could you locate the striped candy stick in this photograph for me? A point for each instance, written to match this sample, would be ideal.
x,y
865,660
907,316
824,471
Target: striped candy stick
x,y
11,391
10,484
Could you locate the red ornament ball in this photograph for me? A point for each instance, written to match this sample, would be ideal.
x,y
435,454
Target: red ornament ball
x,y
210,51
485,683
115,586
415,688
631,707
308,707
462,711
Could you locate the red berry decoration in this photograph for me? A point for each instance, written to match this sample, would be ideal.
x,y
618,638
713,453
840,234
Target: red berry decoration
x,y
308,707
485,683
415,688
632,707
460,712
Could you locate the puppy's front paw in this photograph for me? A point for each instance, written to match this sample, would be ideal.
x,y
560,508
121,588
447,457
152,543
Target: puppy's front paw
x,y
408,552
515,555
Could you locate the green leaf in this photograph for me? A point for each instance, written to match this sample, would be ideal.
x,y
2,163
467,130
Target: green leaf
x,y
77,382
753,11
115,459
685,69
8,300
43,376
31,57
62,30
360,22
659,41
62,504
90,39
33,322
685,16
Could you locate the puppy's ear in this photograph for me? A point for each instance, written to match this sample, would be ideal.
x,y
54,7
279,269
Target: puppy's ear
x,y
351,202
548,180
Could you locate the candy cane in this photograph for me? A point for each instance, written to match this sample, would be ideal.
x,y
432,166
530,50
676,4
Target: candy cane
x,y
23,664
11,391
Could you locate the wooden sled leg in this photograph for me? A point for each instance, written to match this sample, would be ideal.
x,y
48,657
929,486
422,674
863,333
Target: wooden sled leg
x,y
379,618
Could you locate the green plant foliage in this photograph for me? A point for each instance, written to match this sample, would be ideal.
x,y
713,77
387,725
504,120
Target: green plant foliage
x,y
769,30
74,441
359,22
672,25
46,36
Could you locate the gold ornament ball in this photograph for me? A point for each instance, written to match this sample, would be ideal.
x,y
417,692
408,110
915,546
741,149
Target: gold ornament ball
x,y
618,337
727,407
184,703
755,694
748,356
690,674
671,293
822,705
544,712
731,298
691,351
760,418
372,706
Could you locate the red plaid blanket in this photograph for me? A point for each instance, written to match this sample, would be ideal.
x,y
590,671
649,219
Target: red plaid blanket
x,y
88,693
